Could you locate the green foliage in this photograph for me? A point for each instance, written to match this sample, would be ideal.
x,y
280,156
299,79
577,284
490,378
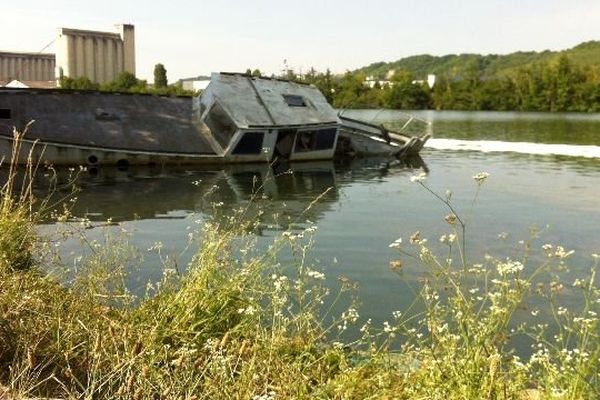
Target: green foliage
x,y
240,325
126,82
160,76
489,66
559,85
77,83
522,81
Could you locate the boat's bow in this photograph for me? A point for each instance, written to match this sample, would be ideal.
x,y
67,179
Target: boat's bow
x,y
366,139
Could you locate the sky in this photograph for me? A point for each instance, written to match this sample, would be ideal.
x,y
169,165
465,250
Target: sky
x,y
199,37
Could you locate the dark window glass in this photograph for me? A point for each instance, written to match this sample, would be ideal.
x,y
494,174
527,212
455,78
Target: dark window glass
x,y
220,125
250,143
325,139
315,140
5,113
294,100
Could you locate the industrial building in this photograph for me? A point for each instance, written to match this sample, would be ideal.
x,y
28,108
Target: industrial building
x,y
98,56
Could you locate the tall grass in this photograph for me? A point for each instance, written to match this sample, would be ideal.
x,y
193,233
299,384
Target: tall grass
x,y
17,233
240,325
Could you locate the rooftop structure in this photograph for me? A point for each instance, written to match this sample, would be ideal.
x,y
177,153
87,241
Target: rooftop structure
x,y
252,102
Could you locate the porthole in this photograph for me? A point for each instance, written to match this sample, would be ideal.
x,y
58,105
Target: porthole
x,y
122,164
5,113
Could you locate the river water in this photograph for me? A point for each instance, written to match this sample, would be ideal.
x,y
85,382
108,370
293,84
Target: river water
x,y
544,172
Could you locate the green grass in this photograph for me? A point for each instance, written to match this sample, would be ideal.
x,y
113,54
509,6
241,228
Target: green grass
x,y
240,325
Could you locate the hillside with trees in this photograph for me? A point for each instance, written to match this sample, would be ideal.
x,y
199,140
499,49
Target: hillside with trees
x,y
524,81
586,54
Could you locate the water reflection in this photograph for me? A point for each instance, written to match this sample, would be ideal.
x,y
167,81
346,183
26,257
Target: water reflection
x,y
279,196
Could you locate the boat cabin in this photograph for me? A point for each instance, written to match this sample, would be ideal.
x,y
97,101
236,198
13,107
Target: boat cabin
x,y
249,119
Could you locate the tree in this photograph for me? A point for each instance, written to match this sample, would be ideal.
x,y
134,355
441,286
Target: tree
x,y
160,76
125,82
81,83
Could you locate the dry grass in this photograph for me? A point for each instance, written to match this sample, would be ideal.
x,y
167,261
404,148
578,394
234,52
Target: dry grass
x,y
240,325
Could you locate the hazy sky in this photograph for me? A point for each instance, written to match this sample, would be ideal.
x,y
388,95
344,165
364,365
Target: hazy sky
x,y
197,37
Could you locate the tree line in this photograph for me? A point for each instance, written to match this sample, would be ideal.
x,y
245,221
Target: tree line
x,y
557,86
127,82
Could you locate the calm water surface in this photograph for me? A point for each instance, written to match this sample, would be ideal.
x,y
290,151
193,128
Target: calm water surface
x,y
370,203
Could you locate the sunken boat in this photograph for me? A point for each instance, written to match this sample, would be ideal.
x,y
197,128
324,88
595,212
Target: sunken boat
x,y
237,119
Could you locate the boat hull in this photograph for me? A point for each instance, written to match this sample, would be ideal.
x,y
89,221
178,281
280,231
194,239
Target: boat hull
x,y
95,128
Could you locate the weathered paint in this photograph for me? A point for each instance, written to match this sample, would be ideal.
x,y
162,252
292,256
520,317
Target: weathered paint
x,y
107,120
113,128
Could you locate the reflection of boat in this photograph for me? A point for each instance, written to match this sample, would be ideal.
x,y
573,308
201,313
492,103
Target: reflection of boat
x,y
237,119
173,192
284,194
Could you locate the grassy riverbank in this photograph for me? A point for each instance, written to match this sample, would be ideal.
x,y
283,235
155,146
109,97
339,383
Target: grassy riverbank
x,y
238,324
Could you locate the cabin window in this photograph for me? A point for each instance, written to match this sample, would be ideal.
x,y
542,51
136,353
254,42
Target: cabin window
x,y
294,100
5,113
315,140
250,143
220,124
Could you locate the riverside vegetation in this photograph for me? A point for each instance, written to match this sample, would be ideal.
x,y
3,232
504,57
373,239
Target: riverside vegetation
x,y
239,324
523,81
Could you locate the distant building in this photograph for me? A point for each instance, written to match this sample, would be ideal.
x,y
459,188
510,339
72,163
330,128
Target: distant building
x,y
372,81
430,81
27,66
26,84
195,84
98,56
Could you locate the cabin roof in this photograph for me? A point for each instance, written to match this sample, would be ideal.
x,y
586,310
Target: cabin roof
x,y
253,102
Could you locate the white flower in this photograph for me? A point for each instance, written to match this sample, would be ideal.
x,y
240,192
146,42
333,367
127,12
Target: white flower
x,y
350,315
366,326
315,274
480,177
419,178
561,253
311,229
387,327
561,311
267,396
396,243
509,267
250,310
